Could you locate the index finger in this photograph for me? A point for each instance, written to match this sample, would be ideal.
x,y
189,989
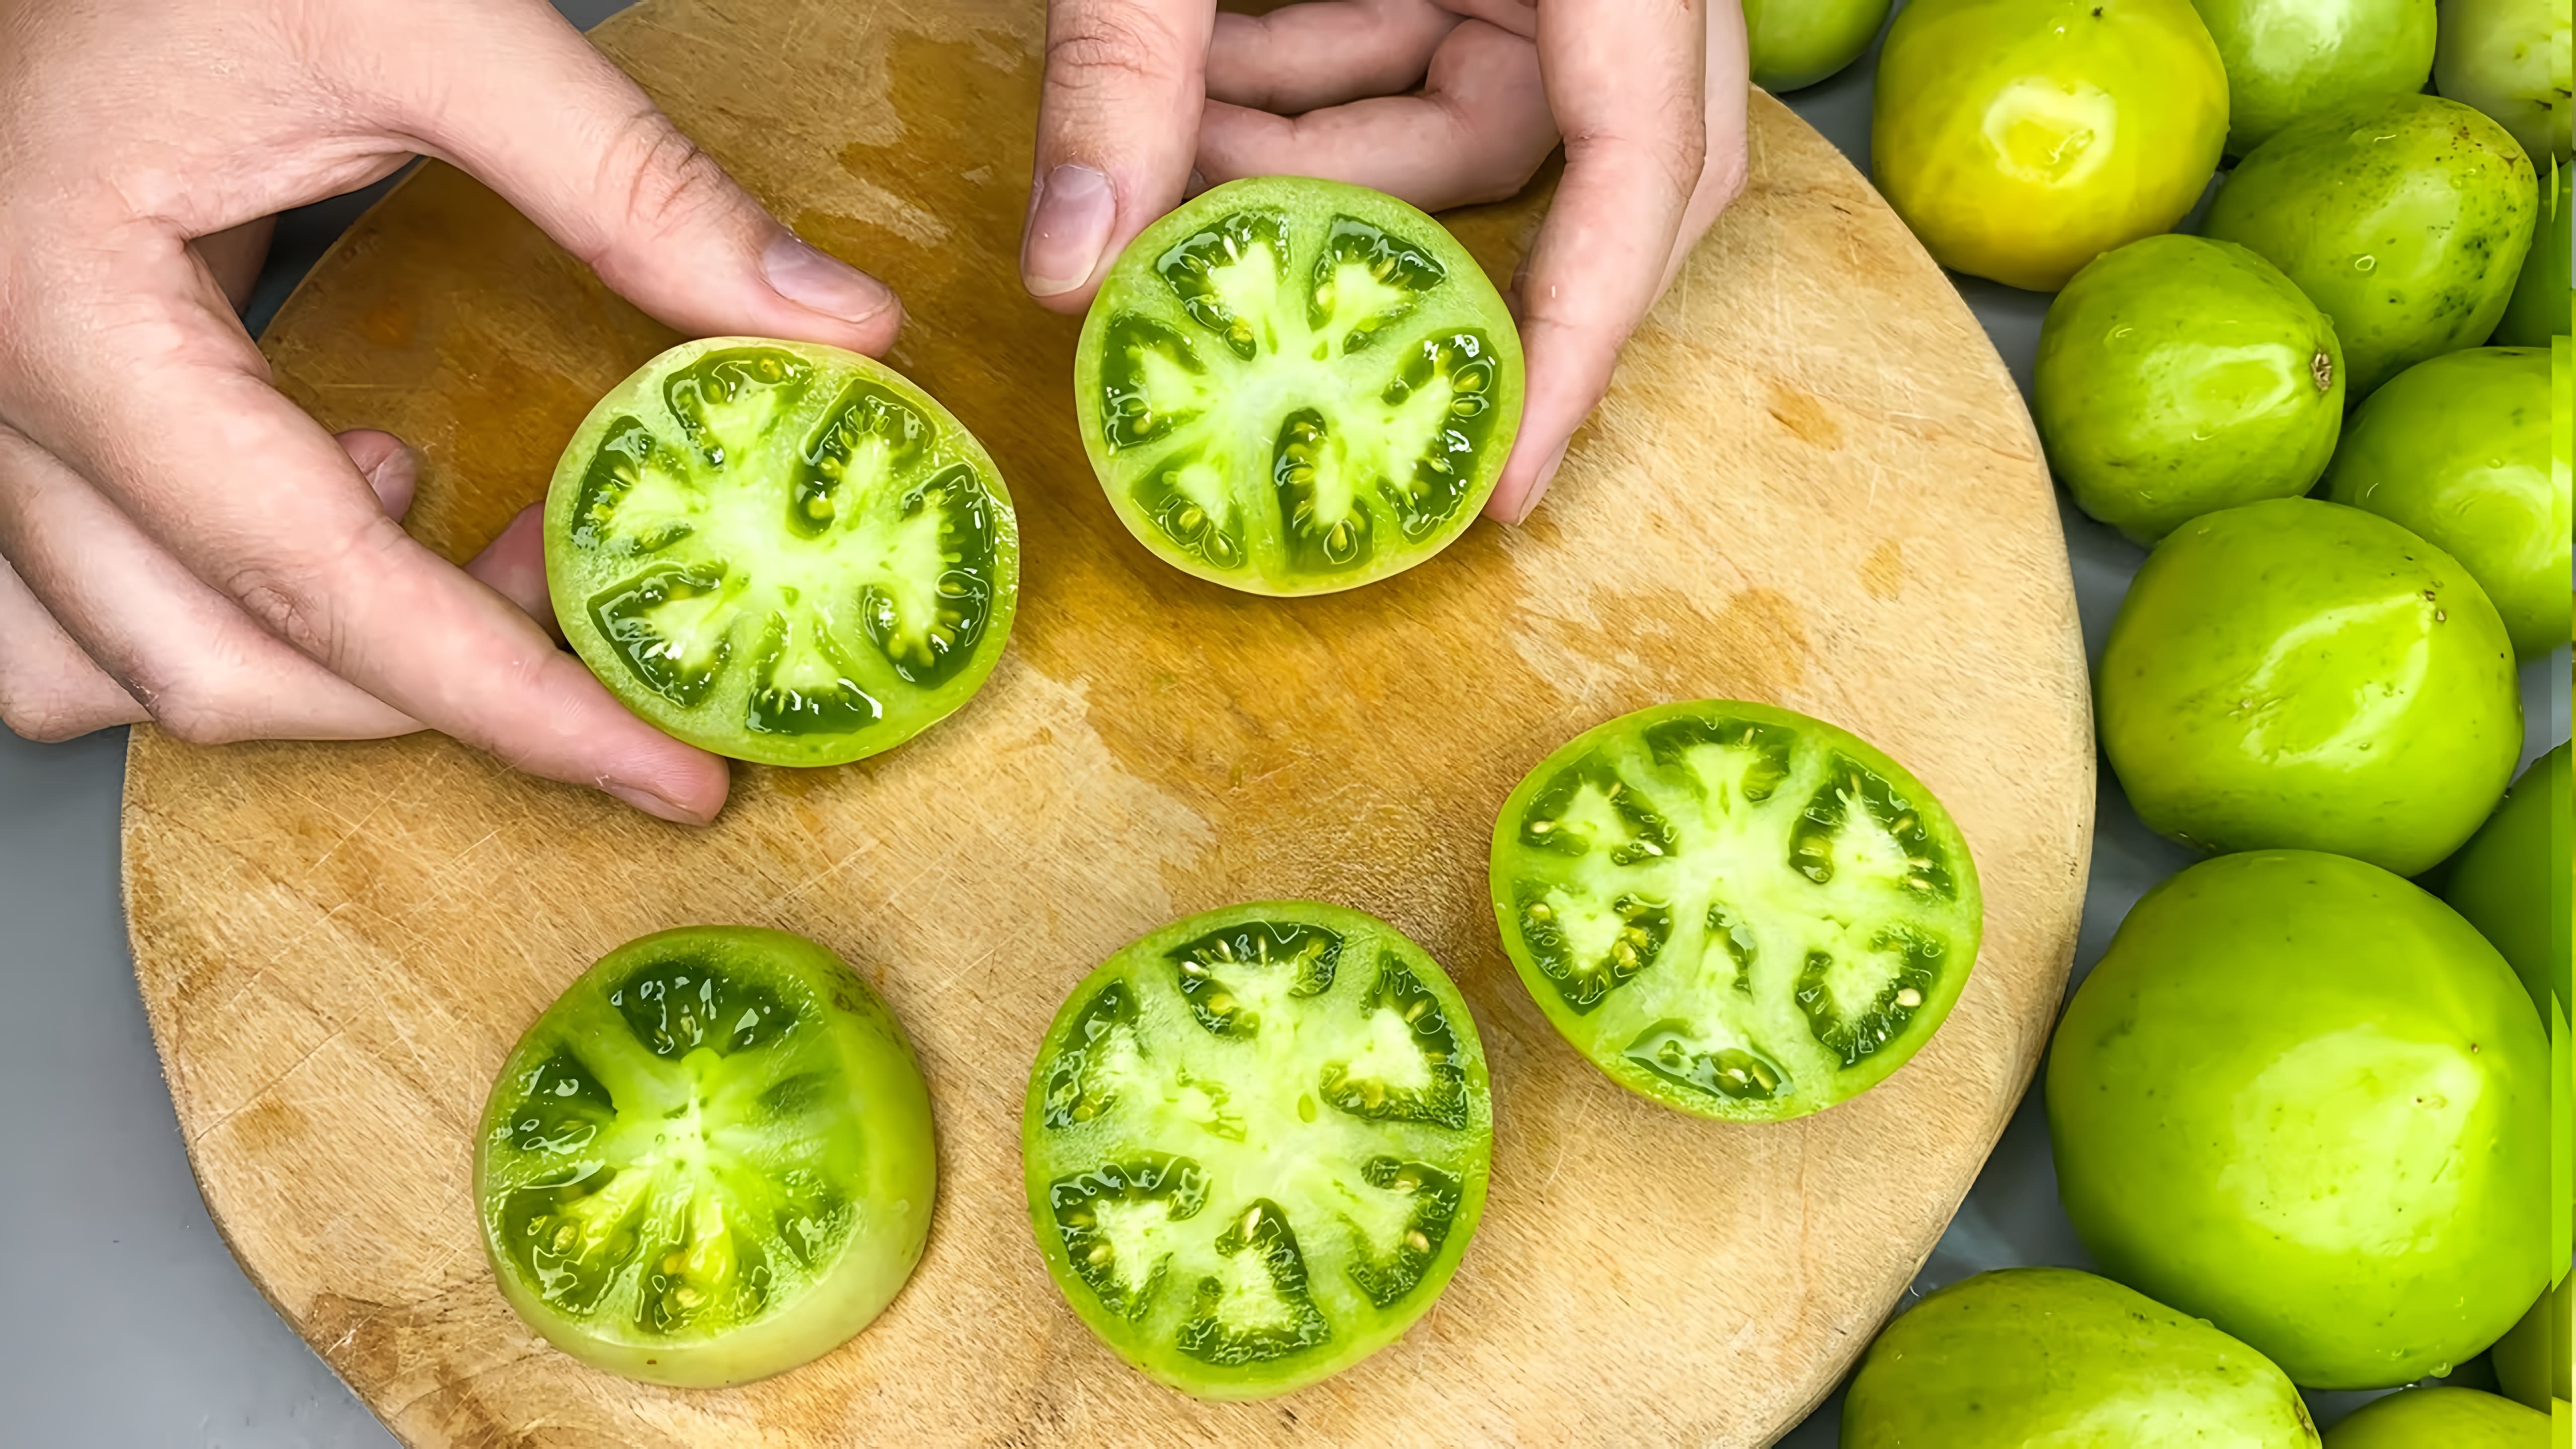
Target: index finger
x,y
155,396
1624,79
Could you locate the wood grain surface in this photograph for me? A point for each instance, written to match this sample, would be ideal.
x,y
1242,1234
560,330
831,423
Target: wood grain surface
x,y
1813,483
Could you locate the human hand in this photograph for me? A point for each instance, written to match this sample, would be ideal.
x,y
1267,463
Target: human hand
x,y
1145,98
177,541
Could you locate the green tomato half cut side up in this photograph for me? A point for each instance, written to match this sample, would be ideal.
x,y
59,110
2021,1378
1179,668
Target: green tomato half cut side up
x,y
1257,1142
1291,386
1733,909
781,552
709,1161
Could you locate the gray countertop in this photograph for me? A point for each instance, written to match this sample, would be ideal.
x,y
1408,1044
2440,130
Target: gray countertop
x,y
134,1328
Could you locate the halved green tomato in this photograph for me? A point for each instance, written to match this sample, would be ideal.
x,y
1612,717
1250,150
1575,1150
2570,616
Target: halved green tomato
x,y
781,552
1256,1143
1735,909
709,1161
1292,386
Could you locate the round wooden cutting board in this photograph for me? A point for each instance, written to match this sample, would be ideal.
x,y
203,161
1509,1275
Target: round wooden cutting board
x,y
1813,484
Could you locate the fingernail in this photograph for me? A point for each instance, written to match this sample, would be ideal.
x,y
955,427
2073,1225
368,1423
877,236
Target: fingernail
x,y
1075,210
1538,489
1198,182
654,805
395,478
821,282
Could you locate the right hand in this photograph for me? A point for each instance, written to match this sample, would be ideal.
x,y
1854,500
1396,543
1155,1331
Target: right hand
x,y
177,541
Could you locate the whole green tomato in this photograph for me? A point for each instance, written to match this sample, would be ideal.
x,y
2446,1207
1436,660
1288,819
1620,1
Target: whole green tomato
x,y
2531,1360
2440,1419
2538,309
2298,673
1797,43
2405,218
2511,880
2457,449
2289,59
2023,138
2054,1356
2177,376
2304,1100
2509,59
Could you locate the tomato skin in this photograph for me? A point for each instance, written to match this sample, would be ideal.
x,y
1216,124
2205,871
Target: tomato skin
x,y
2451,1418
2289,59
2511,880
2299,674
1796,43
2509,58
2054,1356
2531,1361
2177,376
2539,307
869,1154
1189,1155
2023,138
2457,450
2406,219
2304,1100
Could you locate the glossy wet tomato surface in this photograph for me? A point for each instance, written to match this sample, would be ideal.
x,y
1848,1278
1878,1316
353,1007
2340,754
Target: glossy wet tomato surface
x,y
2299,673
2457,449
1797,43
2051,1356
2301,1098
1291,386
709,1161
2405,218
1256,1143
2511,880
2289,59
2509,58
2440,1418
781,552
2178,376
1734,909
2021,139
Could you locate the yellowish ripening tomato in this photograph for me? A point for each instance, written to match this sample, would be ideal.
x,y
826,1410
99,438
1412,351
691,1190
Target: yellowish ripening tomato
x,y
2023,138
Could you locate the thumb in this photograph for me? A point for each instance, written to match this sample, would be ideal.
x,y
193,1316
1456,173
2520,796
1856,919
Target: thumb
x,y
1118,122
516,97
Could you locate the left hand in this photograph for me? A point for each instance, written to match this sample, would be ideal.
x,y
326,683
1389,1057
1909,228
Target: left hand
x,y
1441,102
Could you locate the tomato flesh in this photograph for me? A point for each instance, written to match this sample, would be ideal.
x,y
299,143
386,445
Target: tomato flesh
x,y
1734,909
1291,386
1257,1143
709,1161
781,552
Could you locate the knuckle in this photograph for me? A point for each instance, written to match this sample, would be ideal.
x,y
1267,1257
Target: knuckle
x,y
294,598
660,181
1097,46
284,605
